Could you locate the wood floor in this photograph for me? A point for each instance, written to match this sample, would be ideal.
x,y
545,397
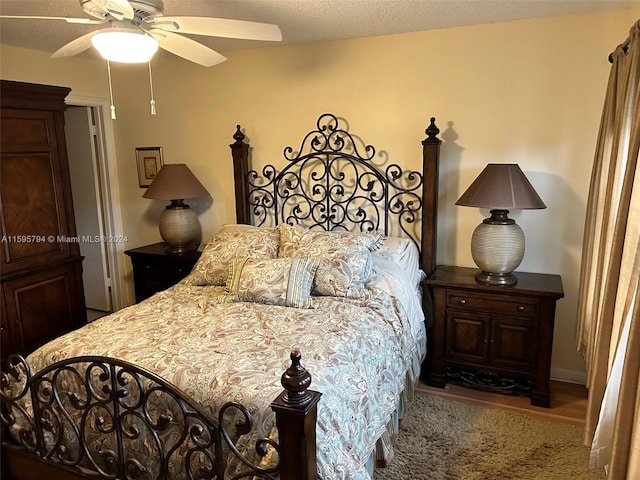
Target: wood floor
x,y
568,401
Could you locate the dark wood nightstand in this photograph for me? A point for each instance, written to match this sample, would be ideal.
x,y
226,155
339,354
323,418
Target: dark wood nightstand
x,y
494,337
154,269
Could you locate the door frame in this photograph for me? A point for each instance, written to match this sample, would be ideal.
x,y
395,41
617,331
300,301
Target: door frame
x,y
108,178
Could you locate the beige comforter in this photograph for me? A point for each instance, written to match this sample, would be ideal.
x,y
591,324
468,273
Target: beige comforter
x,y
361,354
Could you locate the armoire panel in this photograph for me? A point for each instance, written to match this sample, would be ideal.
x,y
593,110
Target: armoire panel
x,y
42,306
31,223
30,128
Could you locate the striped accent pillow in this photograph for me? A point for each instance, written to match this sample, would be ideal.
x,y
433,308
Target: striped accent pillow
x,y
345,257
281,281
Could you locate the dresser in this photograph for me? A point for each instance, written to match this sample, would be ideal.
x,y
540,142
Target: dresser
x,y
40,262
154,269
497,338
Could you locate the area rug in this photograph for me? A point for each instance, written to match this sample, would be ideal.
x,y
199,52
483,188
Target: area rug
x,y
449,440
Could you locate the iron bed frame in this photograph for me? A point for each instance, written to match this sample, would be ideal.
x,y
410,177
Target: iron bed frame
x,y
316,189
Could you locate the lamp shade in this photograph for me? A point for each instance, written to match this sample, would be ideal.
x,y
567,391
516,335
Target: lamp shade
x,y
501,186
175,181
126,45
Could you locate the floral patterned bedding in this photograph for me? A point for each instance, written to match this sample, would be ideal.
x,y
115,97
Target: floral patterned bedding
x,y
361,354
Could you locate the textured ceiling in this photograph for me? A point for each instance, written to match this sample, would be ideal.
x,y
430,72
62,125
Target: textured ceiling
x,y
301,21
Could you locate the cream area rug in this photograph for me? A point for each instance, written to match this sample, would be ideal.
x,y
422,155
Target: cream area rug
x,y
444,439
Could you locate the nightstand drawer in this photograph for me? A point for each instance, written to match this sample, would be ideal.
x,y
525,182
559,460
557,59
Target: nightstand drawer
x,y
164,267
525,307
154,269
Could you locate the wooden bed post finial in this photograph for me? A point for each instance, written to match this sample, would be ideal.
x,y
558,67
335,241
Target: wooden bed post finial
x,y
295,381
432,132
240,154
238,136
296,410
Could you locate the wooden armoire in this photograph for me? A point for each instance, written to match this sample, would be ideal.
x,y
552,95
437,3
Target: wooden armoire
x,y
40,263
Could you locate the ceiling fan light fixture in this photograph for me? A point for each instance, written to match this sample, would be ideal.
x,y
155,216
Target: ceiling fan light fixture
x,y
125,45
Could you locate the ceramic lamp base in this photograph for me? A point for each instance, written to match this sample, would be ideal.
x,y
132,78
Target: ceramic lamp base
x,y
179,228
497,247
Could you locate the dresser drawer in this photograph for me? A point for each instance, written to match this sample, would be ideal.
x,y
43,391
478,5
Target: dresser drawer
x,y
503,304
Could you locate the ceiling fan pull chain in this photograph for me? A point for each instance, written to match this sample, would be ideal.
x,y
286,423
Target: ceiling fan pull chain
x,y
112,107
153,102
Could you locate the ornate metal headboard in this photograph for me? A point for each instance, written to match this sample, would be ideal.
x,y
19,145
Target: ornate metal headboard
x,y
332,182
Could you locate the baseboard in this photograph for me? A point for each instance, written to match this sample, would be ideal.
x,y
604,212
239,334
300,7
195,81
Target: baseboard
x,y
569,376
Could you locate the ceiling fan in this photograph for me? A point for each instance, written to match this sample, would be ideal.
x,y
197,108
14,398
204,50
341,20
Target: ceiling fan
x,y
143,22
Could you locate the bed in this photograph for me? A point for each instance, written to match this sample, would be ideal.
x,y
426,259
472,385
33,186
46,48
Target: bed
x,y
206,379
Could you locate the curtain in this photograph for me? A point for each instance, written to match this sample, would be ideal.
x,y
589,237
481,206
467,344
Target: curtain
x,y
605,429
608,303
608,324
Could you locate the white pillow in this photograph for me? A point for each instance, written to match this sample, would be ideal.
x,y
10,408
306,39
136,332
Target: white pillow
x,y
404,253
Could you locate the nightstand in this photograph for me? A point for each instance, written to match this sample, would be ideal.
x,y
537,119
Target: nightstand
x,y
496,338
154,269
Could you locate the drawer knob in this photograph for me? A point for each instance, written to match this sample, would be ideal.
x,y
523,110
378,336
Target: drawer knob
x,y
521,308
463,301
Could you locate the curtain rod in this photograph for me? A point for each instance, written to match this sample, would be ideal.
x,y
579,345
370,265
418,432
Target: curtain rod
x,y
624,45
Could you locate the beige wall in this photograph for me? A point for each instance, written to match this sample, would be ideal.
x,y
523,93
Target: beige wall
x,y
528,92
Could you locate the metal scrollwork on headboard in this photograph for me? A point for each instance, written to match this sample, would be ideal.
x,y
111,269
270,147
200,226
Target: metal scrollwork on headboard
x,y
330,183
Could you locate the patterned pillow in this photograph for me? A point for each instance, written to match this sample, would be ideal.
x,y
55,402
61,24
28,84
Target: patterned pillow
x,y
228,243
345,258
282,281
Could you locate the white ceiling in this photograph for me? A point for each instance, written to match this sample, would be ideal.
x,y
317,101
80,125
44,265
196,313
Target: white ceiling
x,y
301,21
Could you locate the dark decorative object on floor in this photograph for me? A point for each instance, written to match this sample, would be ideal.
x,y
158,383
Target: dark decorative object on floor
x,y
489,381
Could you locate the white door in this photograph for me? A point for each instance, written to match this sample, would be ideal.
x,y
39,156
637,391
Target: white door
x,y
82,141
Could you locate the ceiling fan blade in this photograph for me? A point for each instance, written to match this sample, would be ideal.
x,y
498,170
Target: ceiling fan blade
x,y
76,46
85,21
187,48
219,27
119,9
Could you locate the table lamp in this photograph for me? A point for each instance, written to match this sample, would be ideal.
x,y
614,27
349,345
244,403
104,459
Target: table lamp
x,y
497,244
178,222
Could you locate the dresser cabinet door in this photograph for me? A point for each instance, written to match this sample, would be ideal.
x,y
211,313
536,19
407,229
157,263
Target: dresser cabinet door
x,y
468,337
5,333
504,342
43,306
513,343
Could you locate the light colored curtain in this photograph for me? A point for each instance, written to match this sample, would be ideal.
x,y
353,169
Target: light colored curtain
x,y
608,297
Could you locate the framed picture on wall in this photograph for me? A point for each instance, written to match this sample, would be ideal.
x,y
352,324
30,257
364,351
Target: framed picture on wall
x,y
149,160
